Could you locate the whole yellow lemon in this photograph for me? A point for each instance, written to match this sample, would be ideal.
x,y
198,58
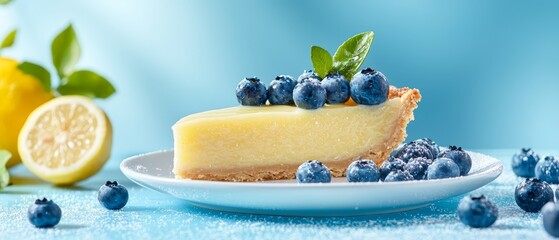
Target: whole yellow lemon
x,y
20,94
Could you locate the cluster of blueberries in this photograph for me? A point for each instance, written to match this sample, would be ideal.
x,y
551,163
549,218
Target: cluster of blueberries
x,y
421,159
534,193
367,87
44,213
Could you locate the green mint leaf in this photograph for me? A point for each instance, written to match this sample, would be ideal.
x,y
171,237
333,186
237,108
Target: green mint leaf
x,y
65,50
86,83
9,39
321,61
5,2
4,176
40,73
351,54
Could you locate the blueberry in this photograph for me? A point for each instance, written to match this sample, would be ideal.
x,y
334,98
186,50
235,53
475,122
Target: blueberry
x,y
308,74
443,168
524,163
548,170
532,193
337,88
313,172
396,150
460,157
414,150
44,213
112,195
363,170
398,176
417,167
309,95
477,212
550,217
251,92
430,144
280,91
369,87
390,165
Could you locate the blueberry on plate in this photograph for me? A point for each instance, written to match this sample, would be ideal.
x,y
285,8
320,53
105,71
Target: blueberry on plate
x,y
550,217
398,176
547,170
337,88
532,193
477,212
417,167
390,165
309,95
414,150
443,168
308,74
460,157
430,144
44,213
395,151
251,92
369,87
313,172
363,170
280,91
524,163
112,195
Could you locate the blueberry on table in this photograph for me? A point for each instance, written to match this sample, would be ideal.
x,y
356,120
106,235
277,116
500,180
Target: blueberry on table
x,y
369,87
112,195
460,157
531,194
313,171
390,165
280,91
251,92
363,170
44,213
443,168
430,144
308,74
414,150
398,176
397,150
337,88
547,170
417,167
309,95
524,163
477,212
550,217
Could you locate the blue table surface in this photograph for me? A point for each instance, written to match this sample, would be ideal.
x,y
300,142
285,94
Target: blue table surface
x,y
153,215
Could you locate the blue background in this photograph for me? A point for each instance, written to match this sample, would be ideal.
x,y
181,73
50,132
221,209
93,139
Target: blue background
x,y
487,69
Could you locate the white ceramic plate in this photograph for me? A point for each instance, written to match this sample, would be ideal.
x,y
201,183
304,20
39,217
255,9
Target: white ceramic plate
x,y
339,198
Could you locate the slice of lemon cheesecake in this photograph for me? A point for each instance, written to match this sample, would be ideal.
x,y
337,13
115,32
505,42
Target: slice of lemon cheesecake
x,y
269,142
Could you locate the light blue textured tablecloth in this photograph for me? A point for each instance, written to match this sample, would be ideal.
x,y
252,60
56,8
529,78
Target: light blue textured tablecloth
x,y
152,215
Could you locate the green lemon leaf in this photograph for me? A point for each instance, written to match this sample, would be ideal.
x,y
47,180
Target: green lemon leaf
x,y
86,83
351,54
65,50
321,61
4,176
5,2
40,73
9,39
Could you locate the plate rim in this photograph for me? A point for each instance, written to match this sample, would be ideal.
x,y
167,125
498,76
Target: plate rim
x,y
496,168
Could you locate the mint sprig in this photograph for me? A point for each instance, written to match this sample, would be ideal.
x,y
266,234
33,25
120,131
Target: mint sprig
x,y
348,58
5,2
66,51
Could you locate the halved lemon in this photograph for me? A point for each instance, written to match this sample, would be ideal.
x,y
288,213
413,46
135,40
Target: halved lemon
x,y
65,140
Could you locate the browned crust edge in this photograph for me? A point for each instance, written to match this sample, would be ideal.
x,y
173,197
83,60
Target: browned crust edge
x,y
378,154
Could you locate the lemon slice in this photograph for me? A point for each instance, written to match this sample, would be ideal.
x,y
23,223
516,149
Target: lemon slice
x,y
65,140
